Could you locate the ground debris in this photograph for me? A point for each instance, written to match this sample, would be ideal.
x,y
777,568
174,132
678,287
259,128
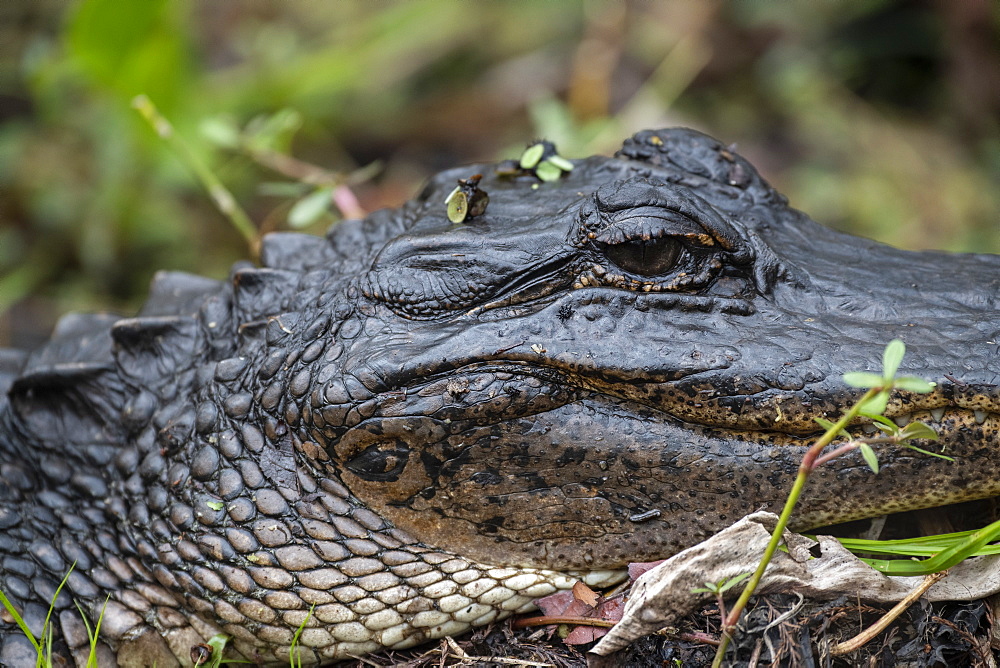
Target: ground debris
x,y
778,630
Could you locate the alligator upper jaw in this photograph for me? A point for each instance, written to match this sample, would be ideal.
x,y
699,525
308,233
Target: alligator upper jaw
x,y
520,387
790,342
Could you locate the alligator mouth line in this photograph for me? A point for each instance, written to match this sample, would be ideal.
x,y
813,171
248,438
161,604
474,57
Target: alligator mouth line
x,y
520,383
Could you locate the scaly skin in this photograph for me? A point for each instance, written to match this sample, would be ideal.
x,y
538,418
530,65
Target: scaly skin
x,y
418,426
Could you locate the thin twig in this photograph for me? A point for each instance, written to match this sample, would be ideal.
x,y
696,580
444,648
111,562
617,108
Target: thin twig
x,y
480,660
859,640
853,445
294,168
548,621
699,636
220,195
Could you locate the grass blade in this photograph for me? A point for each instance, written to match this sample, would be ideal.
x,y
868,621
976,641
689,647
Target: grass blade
x,y
20,622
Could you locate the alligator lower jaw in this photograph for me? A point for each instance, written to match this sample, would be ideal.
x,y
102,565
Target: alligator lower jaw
x,y
561,479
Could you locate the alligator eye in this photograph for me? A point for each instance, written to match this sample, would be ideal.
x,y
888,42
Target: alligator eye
x,y
645,257
382,462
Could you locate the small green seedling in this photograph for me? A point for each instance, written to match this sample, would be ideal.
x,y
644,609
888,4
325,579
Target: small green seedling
x,y
879,387
722,586
542,158
466,200
872,405
719,589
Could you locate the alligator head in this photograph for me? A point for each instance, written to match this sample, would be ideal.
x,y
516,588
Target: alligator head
x,y
616,365
416,424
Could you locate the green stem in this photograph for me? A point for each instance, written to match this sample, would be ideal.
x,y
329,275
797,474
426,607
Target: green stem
x,y
223,199
805,469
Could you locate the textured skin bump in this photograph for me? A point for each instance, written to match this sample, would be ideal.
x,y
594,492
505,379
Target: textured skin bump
x,y
411,427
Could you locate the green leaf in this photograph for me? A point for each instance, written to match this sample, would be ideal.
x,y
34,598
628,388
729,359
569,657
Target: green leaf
x,y
310,208
221,131
823,422
948,557
12,611
722,586
531,156
828,425
218,644
945,550
273,132
547,172
295,653
287,189
458,207
914,384
929,453
732,582
891,358
870,457
561,162
918,430
863,379
215,505
877,404
882,422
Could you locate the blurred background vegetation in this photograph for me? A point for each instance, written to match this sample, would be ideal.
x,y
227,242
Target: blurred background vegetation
x,y
881,117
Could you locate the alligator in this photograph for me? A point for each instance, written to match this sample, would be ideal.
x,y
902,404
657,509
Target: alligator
x,y
413,426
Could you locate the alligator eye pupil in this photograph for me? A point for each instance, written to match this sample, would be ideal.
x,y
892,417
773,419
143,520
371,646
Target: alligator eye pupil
x,y
651,257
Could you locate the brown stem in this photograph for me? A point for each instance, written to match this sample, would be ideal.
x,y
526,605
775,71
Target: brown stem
x,y
851,445
698,636
297,169
859,640
544,620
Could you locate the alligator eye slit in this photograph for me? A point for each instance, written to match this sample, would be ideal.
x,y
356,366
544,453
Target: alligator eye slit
x,y
644,257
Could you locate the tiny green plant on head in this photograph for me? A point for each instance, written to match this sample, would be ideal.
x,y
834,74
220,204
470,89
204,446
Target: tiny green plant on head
x,y
467,200
542,158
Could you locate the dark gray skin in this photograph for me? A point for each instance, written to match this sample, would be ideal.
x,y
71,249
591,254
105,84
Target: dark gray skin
x,y
417,426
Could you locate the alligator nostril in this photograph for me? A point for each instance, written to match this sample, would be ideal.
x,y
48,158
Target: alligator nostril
x,y
382,461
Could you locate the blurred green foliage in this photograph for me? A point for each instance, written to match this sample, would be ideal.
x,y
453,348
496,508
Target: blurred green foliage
x,y
879,117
